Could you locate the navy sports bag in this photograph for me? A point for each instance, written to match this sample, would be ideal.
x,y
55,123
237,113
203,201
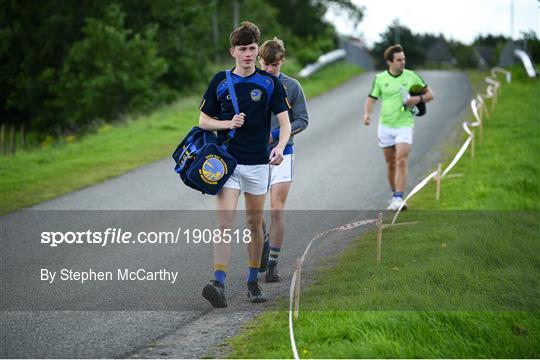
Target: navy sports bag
x,y
202,163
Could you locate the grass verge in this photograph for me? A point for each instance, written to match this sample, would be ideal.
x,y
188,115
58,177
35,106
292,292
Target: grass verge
x,y
30,177
460,284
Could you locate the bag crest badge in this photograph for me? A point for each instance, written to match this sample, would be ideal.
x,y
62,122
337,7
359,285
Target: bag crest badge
x,y
213,169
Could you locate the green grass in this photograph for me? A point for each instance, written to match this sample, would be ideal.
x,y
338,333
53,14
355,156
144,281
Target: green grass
x,y
395,334
460,284
30,177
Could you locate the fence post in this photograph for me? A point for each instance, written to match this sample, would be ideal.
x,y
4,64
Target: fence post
x,y
472,144
438,179
494,98
379,237
481,120
480,110
484,107
481,130
298,272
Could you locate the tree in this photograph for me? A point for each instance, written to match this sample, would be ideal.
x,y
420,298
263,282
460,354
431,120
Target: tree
x,y
182,30
464,55
110,71
311,35
492,45
414,50
34,44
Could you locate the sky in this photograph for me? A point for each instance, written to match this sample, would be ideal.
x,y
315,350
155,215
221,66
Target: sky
x,y
460,20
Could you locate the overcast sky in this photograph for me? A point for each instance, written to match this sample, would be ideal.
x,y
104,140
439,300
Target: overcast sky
x,y
460,20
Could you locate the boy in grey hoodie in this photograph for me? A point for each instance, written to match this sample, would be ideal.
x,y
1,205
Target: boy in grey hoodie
x,y
271,57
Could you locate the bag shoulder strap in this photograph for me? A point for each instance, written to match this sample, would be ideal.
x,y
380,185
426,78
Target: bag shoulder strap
x,y
230,85
234,99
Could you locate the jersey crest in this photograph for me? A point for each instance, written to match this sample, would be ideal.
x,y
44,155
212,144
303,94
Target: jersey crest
x,y
256,94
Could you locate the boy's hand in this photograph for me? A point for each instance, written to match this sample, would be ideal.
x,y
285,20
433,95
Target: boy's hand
x,y
413,100
237,121
276,156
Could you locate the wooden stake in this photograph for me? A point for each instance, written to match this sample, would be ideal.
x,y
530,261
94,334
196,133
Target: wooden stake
x,y
472,146
481,119
298,271
379,238
484,106
494,100
438,179
481,133
480,111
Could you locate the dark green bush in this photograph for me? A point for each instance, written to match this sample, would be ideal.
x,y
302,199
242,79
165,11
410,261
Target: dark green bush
x,y
109,72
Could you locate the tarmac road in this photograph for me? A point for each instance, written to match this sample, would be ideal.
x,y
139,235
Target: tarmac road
x,y
339,177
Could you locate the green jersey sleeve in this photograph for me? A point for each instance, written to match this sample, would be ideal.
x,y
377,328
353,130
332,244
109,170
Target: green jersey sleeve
x,y
375,89
417,79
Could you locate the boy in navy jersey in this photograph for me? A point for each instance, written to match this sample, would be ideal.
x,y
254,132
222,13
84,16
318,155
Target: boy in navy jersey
x,y
259,95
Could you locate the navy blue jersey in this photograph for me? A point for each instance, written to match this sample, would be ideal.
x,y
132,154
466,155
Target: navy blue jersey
x,y
259,95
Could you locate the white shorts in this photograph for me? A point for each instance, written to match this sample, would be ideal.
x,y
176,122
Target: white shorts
x,y
251,179
392,136
282,172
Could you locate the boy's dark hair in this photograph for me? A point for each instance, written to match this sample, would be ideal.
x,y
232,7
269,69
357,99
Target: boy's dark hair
x,y
391,50
247,33
272,50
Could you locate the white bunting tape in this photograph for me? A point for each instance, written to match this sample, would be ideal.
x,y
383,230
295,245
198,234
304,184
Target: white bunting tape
x,y
465,126
338,228
291,330
475,105
417,188
304,255
458,156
